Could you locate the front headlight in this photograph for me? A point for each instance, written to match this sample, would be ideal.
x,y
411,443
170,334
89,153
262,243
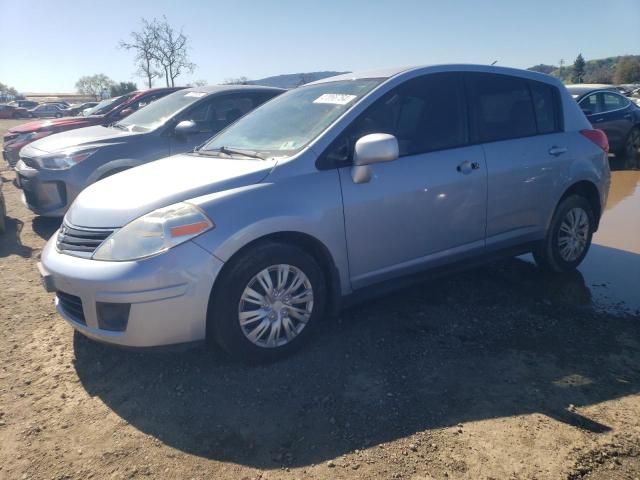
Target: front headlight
x,y
154,233
63,160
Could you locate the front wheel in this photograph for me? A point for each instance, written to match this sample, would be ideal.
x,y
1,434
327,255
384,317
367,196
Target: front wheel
x,y
569,236
267,303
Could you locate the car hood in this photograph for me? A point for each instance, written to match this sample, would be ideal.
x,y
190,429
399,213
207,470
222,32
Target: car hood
x,y
123,197
80,138
58,124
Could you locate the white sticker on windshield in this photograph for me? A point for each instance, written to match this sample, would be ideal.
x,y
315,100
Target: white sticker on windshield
x,y
195,94
334,98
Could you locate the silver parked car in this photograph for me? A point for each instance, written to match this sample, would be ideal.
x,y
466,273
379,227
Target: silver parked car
x,y
326,191
53,170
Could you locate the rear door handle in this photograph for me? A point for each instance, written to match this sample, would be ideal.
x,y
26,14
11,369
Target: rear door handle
x,y
598,120
467,166
557,151
627,116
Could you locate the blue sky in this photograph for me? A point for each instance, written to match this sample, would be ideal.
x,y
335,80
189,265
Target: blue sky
x,y
48,44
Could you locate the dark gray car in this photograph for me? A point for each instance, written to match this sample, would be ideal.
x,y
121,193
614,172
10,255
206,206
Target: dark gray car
x,y
53,170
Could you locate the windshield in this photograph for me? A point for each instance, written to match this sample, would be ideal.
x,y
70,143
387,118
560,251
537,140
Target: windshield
x,y
289,122
105,106
157,113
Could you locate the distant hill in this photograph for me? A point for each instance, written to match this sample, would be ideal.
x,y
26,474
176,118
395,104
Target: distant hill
x,y
600,70
292,80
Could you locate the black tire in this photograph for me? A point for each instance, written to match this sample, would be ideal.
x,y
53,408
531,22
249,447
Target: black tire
x,y
3,215
223,325
547,255
631,147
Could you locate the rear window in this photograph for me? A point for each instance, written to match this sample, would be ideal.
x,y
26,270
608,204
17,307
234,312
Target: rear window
x,y
501,107
546,107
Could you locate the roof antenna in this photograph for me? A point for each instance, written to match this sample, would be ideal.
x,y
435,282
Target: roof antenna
x,y
494,62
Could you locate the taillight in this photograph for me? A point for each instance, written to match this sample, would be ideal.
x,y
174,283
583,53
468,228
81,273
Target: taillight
x,y
598,137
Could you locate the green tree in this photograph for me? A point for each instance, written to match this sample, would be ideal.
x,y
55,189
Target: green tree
x,y
122,88
578,69
627,70
94,85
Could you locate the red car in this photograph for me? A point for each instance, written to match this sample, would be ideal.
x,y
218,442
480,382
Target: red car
x,y
104,113
12,111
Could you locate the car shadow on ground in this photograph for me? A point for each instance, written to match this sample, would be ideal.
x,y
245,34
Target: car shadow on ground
x,y
10,243
44,227
497,341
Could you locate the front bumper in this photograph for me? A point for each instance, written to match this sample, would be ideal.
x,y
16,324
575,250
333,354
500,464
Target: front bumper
x,y
45,192
11,151
166,296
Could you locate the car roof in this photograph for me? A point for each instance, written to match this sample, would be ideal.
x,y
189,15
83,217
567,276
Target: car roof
x,y
582,89
453,67
231,88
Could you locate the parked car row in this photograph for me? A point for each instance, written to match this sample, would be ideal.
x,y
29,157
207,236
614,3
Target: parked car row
x,y
33,109
287,209
104,113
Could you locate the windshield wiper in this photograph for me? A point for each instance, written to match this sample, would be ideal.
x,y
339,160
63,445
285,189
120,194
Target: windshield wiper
x,y
233,151
118,126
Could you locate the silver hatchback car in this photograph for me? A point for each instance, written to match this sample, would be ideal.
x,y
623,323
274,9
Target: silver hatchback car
x,y
325,192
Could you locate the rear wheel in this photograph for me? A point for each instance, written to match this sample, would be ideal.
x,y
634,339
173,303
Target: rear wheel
x,y
632,144
569,236
267,303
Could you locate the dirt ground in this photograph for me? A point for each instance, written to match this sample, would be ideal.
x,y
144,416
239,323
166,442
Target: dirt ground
x,y
496,373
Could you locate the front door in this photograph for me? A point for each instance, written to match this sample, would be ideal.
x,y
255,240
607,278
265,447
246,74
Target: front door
x,y
429,206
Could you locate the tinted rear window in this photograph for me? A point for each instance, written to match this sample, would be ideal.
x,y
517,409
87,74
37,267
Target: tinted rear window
x,y
501,107
546,107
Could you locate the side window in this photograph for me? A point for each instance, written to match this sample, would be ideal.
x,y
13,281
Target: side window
x,y
214,115
501,107
590,104
612,101
145,101
546,107
424,114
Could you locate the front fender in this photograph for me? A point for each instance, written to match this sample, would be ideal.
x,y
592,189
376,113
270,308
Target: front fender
x,y
310,204
120,164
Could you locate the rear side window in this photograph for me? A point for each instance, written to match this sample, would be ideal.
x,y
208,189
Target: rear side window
x,y
613,101
546,107
501,107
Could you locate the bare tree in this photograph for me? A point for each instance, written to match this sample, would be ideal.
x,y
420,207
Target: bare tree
x,y
144,43
94,85
171,51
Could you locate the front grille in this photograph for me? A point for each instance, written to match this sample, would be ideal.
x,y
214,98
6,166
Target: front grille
x,y
72,306
81,239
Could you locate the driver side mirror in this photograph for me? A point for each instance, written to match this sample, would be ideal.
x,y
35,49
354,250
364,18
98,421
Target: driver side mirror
x,y
586,111
126,112
186,127
370,149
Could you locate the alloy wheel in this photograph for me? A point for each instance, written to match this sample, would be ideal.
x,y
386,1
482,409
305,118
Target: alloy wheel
x,y
573,234
275,306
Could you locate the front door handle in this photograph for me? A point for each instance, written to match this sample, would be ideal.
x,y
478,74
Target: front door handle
x,y
557,151
598,120
467,166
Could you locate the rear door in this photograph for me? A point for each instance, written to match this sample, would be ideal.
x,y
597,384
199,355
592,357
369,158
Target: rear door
x,y
429,206
518,122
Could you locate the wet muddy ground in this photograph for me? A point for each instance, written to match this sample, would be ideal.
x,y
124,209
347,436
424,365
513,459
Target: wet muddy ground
x,y
499,372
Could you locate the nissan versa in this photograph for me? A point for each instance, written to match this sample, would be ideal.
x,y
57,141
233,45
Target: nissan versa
x,y
53,170
324,192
